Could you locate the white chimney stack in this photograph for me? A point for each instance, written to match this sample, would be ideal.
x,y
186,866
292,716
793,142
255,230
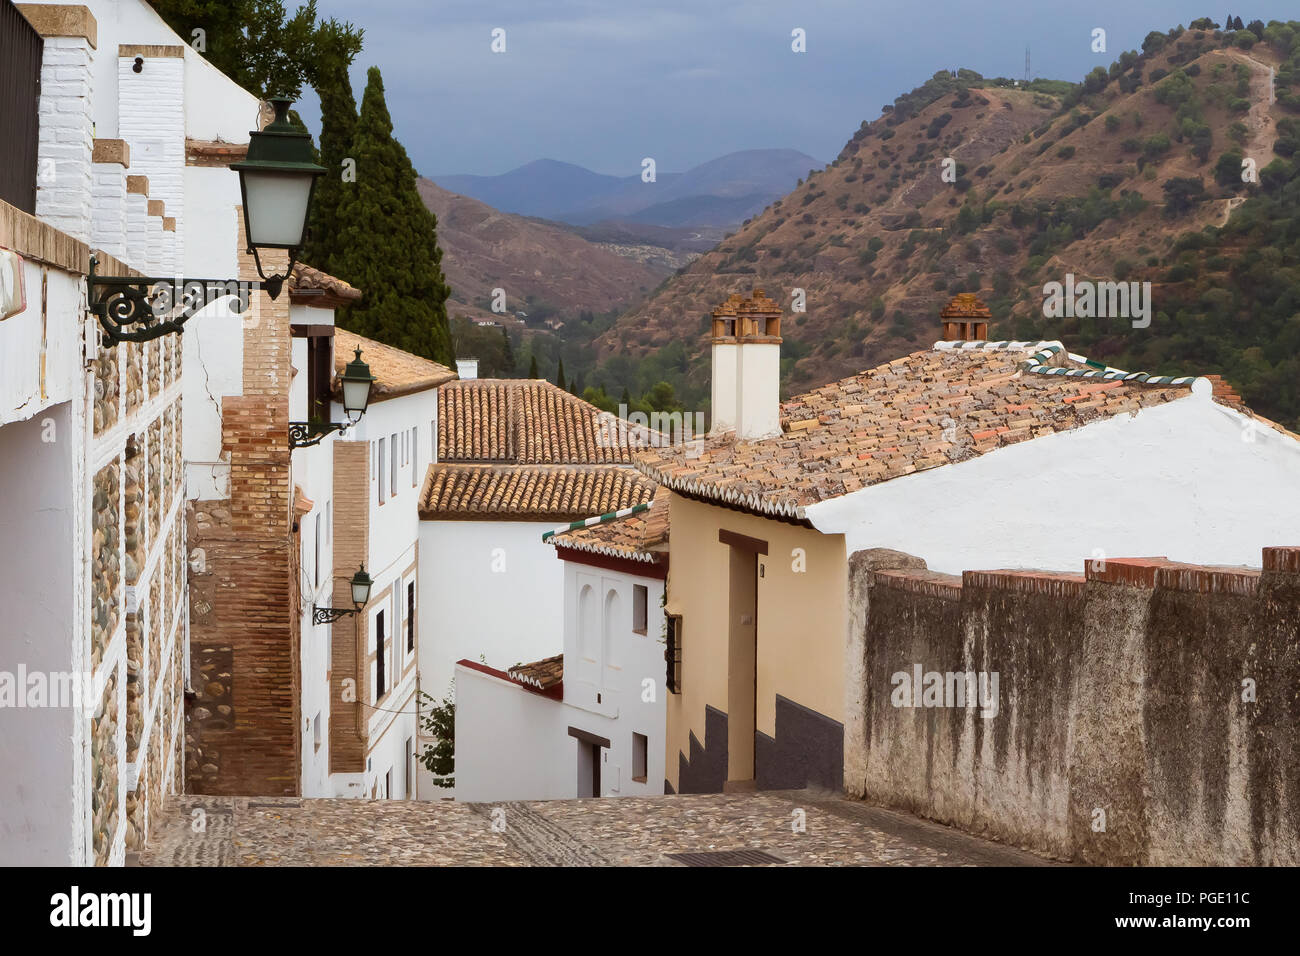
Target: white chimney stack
x,y
747,367
467,368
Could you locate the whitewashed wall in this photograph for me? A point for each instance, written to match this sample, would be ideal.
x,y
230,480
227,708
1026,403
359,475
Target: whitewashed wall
x,y
491,589
1190,480
511,744
613,676
39,571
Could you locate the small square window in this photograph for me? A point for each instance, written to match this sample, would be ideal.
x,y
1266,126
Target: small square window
x,y
640,598
640,757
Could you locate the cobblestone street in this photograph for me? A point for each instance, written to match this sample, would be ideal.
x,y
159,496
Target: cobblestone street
x,y
242,831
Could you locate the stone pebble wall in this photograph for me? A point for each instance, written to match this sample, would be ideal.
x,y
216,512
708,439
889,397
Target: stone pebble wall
x,y
155,510
106,569
107,390
131,500
103,742
133,375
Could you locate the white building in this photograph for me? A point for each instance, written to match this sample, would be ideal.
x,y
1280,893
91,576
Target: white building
x,y
371,669
514,458
91,463
591,721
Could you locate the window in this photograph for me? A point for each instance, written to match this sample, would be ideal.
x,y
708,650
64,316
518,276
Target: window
x,y
329,522
640,597
319,542
388,784
415,457
315,730
673,653
612,630
381,651
320,372
383,459
410,615
406,768
640,753
392,472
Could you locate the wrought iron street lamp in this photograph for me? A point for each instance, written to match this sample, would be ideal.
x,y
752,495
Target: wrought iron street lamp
x,y
276,180
357,381
361,585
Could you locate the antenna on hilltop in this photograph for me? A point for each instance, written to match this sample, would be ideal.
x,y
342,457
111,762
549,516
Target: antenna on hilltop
x,y
1026,63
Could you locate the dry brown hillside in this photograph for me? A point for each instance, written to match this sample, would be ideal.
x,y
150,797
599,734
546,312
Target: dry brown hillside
x,y
485,249
879,241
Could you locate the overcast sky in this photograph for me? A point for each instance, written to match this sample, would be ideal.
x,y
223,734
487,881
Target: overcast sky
x,y
604,83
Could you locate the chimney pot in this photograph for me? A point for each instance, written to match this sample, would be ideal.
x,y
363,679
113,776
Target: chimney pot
x,y
965,319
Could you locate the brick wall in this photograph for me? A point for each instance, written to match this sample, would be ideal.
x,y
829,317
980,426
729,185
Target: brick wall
x,y
351,533
151,118
1145,710
63,176
242,728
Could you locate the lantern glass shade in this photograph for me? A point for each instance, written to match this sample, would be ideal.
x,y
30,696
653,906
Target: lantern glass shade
x,y
357,381
361,584
275,207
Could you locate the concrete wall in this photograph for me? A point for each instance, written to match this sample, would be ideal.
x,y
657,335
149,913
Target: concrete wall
x,y
1145,711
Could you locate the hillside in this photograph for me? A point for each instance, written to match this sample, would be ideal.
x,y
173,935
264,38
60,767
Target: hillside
x,y
541,266
1132,175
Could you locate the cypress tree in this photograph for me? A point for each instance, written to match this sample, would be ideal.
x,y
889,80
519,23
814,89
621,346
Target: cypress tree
x,y
387,242
559,374
508,358
532,368
338,120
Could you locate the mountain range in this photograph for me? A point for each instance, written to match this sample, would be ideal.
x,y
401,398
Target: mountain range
x,y
718,194
1137,174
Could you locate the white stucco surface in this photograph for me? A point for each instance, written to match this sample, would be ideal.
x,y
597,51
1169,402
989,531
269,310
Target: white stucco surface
x,y
491,589
1191,480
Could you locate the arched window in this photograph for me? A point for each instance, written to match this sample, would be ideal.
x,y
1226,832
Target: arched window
x,y
613,628
588,624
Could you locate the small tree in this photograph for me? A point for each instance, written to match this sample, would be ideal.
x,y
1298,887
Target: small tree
x,y
532,367
438,720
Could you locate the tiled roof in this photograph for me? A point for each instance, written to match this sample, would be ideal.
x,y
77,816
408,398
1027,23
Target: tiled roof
x,y
305,279
543,674
396,372
639,536
933,407
527,421
529,492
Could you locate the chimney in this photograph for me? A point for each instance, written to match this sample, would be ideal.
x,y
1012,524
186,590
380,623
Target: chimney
x,y
758,398
467,368
747,367
965,319
725,368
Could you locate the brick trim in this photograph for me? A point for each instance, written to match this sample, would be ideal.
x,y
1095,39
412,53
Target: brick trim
x,y
149,51
62,20
112,151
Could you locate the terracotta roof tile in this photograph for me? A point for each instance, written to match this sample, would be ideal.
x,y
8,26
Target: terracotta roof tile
x,y
921,411
396,372
306,280
543,674
455,490
642,536
528,421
